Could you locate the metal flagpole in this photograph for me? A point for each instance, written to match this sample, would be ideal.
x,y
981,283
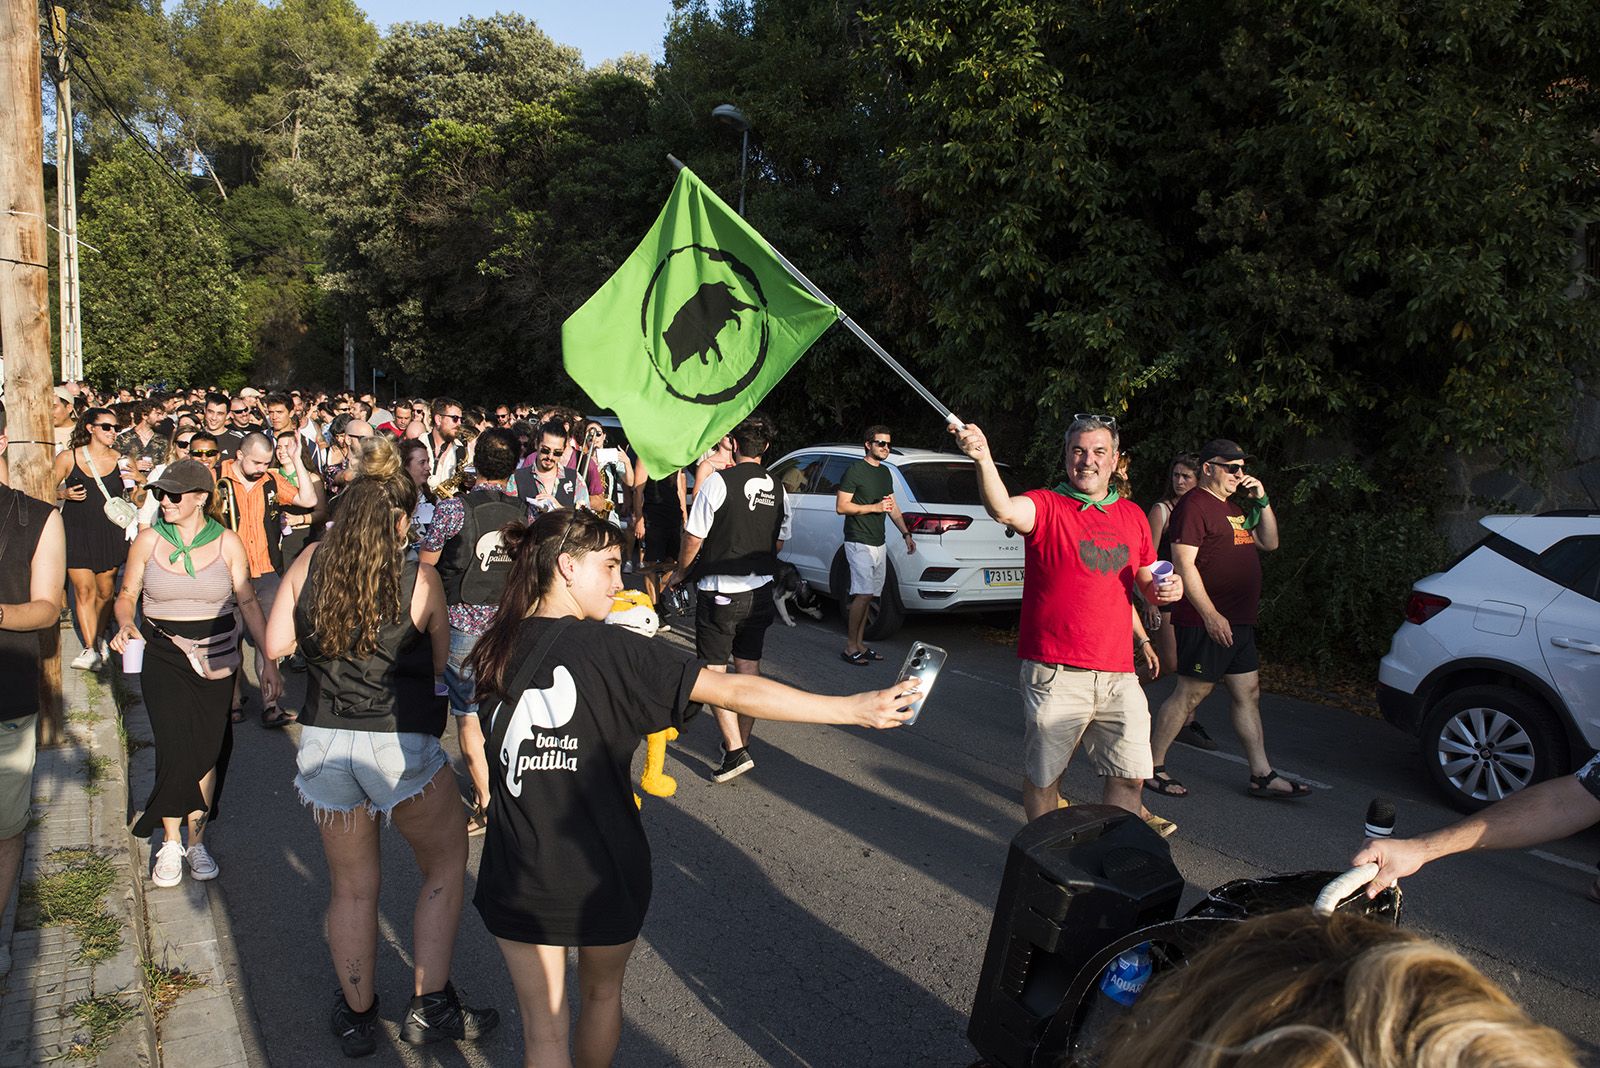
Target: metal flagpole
x,y
856,329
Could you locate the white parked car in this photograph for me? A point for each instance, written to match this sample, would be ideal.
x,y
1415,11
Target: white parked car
x,y
1497,667
965,561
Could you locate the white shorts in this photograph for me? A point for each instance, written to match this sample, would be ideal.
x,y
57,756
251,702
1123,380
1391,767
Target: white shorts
x,y
868,565
1105,709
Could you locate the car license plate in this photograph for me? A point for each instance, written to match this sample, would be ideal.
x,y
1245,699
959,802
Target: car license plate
x,y
1002,576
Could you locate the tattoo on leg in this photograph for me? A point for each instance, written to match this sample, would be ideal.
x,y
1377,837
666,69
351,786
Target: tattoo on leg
x,y
436,891
353,973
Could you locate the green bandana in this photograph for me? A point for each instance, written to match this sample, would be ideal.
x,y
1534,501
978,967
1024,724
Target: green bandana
x,y
1111,497
1253,507
169,533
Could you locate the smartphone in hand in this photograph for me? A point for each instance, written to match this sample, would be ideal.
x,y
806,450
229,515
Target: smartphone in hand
x,y
922,662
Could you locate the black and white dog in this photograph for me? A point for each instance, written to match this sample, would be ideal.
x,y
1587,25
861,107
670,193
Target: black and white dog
x,y
790,590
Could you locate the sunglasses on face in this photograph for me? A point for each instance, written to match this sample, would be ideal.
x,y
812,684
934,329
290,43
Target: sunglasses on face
x,y
182,444
550,452
202,454
104,426
880,443
419,411
1232,469
165,495
452,418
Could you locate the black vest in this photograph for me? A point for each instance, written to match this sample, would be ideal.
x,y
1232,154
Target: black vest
x,y
743,539
22,520
390,691
473,563
271,515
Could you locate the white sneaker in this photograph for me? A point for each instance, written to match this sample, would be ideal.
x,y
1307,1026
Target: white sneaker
x,y
201,866
88,660
169,865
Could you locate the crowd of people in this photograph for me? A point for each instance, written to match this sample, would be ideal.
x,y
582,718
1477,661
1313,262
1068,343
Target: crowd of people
x,y
432,563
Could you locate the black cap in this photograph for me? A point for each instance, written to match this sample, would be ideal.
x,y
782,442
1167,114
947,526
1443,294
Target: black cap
x,y
185,476
1223,449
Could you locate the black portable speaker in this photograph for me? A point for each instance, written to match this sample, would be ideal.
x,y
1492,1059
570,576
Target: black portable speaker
x,y
1075,879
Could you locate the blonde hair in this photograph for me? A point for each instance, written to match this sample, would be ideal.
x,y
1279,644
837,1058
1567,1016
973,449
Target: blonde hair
x,y
1295,990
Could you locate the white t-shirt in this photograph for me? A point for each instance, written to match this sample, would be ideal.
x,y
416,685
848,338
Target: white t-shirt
x,y
703,511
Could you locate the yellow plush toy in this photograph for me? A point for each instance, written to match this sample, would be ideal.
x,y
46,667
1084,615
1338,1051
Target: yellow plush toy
x,y
633,609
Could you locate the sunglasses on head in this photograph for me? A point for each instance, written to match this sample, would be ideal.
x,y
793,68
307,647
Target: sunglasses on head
x,y
1107,421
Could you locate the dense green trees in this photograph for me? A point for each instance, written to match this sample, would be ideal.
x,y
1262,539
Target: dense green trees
x,y
163,303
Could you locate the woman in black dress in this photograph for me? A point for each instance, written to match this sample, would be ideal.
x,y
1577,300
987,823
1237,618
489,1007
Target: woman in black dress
x,y
565,700
96,546
194,577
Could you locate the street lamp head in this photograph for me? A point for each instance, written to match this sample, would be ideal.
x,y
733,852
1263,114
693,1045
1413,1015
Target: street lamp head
x,y
729,115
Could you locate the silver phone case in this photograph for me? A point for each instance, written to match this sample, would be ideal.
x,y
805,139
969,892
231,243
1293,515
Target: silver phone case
x,y
922,662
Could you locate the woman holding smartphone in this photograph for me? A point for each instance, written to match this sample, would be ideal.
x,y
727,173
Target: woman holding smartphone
x,y
565,700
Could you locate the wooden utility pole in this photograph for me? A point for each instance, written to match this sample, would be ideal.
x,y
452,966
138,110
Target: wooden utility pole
x,y
66,210
25,294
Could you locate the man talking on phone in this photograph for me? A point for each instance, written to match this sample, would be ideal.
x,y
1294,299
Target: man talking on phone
x,y
1087,549
1217,541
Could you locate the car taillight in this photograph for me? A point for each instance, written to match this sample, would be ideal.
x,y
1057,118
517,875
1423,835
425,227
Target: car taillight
x,y
1421,607
927,523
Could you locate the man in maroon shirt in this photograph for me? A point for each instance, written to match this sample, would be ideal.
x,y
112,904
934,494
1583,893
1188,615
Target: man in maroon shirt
x,y
1087,549
1216,547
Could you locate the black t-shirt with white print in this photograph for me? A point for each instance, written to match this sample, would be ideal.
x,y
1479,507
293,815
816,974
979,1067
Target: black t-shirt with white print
x,y
565,860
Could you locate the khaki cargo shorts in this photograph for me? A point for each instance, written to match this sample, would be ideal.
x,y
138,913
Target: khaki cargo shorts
x,y
1106,710
17,749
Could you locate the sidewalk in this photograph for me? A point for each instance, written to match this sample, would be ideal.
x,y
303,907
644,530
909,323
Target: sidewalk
x,y
106,968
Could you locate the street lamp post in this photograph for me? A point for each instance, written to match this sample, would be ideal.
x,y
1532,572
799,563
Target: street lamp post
x,y
728,115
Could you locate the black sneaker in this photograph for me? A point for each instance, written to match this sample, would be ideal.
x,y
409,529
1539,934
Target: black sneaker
x,y
355,1029
439,1016
1194,734
733,765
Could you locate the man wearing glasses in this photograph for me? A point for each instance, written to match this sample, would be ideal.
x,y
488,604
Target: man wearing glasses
x,y
502,416
866,495
1217,542
1087,549
241,424
446,451
546,485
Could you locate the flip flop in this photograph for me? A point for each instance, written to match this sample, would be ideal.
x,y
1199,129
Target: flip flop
x,y
277,717
873,654
1260,786
236,715
858,659
1165,784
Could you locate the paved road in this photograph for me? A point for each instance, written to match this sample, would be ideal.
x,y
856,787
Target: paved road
x,y
830,908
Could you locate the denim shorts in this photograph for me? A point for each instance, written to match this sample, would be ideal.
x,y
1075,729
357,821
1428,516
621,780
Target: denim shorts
x,y
339,771
458,677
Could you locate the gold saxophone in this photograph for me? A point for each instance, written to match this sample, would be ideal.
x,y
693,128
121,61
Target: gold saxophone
x,y
454,485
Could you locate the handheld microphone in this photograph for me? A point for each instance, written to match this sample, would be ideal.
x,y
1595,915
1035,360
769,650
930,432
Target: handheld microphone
x,y
1380,818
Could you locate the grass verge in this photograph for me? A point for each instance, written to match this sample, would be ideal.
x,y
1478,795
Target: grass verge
x,y
95,770
70,896
102,1016
166,985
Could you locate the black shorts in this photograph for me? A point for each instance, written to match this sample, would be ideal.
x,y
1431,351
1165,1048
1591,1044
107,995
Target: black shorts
x,y
1201,658
736,628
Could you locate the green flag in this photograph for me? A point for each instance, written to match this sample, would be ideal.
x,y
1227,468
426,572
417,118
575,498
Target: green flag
x,y
693,330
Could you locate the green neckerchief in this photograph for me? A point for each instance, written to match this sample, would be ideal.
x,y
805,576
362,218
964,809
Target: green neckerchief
x,y
1111,497
1252,508
169,533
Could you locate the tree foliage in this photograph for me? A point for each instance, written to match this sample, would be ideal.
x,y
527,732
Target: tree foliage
x,y
1352,221
161,301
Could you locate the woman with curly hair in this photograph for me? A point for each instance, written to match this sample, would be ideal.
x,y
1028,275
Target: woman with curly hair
x,y
372,628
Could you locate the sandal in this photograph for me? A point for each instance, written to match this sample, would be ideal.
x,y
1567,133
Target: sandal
x,y
236,714
273,716
860,659
1260,786
1162,783
872,654
477,823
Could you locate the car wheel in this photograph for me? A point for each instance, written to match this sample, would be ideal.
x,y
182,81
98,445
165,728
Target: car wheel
x,y
887,613
1484,743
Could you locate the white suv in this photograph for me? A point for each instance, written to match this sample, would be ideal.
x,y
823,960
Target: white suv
x,y
1497,667
964,561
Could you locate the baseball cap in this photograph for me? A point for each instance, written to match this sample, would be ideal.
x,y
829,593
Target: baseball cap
x,y
1223,449
63,394
185,476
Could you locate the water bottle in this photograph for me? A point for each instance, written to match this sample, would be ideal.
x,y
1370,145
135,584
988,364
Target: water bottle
x,y
1120,986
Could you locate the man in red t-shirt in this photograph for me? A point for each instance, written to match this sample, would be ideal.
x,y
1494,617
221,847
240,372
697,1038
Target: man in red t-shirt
x,y
1216,548
1087,549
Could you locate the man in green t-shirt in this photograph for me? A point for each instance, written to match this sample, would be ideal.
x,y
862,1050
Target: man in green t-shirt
x,y
866,495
